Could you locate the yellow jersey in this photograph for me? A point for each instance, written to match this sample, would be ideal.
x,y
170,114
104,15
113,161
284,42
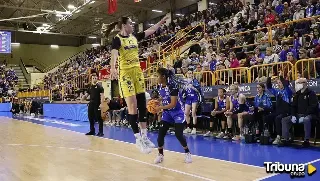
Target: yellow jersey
x,y
128,52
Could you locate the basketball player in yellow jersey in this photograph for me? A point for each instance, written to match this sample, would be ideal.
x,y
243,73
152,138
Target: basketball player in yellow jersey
x,y
131,80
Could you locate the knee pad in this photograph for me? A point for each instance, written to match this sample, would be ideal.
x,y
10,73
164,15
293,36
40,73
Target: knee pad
x,y
142,107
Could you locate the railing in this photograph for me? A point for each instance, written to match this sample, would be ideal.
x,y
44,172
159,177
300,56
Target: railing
x,y
78,83
229,76
60,63
24,71
37,93
206,78
307,68
264,70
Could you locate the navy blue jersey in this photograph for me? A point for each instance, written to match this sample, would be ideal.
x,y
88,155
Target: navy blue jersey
x,y
166,93
222,103
235,103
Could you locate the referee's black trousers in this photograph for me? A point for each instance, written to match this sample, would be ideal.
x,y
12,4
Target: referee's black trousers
x,y
94,114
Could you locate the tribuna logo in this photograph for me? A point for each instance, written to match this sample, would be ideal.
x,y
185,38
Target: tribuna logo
x,y
295,170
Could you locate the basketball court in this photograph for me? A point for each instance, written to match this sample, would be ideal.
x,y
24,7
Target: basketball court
x,y
41,149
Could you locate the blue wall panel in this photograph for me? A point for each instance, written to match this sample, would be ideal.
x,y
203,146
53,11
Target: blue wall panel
x,y
77,112
5,107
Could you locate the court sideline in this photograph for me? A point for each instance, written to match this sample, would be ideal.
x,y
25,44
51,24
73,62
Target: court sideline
x,y
35,152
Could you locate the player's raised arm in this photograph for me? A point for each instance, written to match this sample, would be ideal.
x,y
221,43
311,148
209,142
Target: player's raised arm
x,y
155,27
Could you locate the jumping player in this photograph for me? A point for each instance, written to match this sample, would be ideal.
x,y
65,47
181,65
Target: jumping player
x,y
131,79
172,113
192,97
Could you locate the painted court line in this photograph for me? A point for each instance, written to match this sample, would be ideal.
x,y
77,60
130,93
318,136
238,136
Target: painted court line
x,y
216,159
120,156
272,175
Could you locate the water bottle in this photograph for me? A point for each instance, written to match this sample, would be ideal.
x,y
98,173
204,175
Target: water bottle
x,y
257,130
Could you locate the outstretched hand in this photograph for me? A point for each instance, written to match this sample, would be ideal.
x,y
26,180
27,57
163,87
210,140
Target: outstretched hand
x,y
164,19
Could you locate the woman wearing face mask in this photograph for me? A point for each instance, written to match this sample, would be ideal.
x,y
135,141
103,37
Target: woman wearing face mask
x,y
192,96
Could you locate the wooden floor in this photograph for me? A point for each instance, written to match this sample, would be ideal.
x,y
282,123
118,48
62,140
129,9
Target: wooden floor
x,y
31,152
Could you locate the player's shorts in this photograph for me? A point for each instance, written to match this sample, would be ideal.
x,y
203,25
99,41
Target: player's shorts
x,y
192,99
173,116
131,82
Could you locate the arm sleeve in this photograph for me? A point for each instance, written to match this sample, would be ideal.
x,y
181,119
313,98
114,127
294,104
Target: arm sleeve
x,y
101,89
294,105
140,36
174,91
313,103
116,43
269,103
270,88
284,82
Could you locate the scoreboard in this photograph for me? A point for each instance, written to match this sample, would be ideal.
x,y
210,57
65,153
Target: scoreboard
x,y
5,42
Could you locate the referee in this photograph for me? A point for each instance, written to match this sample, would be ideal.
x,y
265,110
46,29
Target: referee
x,y
95,91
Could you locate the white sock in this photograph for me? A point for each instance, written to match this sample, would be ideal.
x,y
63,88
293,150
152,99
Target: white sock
x,y
143,132
137,135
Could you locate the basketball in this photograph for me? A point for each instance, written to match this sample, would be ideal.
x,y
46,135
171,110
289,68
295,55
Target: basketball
x,y
151,106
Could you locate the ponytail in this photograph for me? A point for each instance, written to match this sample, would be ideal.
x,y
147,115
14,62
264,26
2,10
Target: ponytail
x,y
172,79
112,26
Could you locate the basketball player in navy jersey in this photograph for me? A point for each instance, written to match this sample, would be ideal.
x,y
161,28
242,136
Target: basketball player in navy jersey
x,y
192,102
221,106
238,109
172,113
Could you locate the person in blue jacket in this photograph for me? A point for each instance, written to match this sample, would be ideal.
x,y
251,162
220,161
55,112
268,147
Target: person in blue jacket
x,y
262,106
283,95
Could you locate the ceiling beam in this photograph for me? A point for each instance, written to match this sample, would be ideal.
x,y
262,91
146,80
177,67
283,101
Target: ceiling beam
x,y
35,22
134,6
21,8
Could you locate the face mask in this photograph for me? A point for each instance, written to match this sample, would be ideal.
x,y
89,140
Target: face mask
x,y
298,87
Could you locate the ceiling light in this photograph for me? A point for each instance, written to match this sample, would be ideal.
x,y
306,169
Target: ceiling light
x,y
92,2
151,24
179,14
15,44
92,37
95,44
45,25
77,11
158,11
59,15
133,22
54,46
70,6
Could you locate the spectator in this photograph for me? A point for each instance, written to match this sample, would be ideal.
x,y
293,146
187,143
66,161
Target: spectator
x,y
285,51
283,96
270,56
304,109
299,13
234,63
269,18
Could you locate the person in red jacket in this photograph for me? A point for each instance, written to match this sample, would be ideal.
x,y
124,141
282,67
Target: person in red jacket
x,y
270,18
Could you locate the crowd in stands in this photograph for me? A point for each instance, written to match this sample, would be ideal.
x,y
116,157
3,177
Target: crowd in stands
x,y
215,51
8,82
